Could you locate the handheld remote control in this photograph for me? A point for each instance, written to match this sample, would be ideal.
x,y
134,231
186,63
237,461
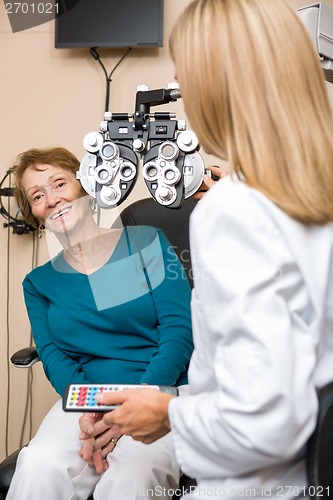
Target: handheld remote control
x,y
81,397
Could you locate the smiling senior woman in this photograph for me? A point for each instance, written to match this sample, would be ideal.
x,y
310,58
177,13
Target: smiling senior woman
x,y
109,308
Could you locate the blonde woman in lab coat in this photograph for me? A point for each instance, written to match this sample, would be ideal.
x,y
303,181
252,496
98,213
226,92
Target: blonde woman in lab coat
x,y
262,252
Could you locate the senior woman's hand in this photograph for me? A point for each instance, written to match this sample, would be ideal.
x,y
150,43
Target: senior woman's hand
x,y
99,439
142,414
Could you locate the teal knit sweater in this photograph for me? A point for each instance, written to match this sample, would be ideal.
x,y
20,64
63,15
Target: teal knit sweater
x,y
127,323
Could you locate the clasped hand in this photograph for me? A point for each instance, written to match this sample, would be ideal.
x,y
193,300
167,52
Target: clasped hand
x,y
99,439
142,414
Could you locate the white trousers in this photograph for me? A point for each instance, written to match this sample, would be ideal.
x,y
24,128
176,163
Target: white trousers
x,y
51,468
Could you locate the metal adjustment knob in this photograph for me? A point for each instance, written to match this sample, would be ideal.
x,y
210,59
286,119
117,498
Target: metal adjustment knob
x,y
138,145
165,193
109,193
142,88
92,142
181,124
173,85
103,126
187,141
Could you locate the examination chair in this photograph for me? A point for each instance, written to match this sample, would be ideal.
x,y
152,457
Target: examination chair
x,y
175,225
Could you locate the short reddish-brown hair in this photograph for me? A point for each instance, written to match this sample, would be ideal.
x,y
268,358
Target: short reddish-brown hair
x,y
57,156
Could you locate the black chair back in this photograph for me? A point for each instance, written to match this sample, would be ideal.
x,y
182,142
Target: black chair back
x,y
174,222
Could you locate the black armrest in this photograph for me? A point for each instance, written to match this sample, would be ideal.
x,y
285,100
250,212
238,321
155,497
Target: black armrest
x,y
319,456
7,469
24,358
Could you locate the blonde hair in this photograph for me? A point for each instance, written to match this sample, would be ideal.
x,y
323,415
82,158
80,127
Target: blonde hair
x,y
255,94
59,157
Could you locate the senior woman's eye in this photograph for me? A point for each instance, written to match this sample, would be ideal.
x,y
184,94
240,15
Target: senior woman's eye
x,y
37,198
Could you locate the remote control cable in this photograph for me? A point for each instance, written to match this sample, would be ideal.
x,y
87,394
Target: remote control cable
x,y
27,416
7,340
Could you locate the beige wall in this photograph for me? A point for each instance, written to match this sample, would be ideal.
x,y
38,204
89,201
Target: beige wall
x,y
54,97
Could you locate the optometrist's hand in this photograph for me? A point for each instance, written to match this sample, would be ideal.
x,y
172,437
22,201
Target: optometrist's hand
x,y
208,182
142,414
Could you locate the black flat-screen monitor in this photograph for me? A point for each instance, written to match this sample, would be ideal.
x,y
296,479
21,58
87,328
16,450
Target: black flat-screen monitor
x,y
109,23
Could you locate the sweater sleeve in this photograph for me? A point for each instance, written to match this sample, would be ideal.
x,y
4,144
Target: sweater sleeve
x,y
60,369
171,294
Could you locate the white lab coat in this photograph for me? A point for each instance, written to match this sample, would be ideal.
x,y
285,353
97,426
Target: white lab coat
x,y
262,310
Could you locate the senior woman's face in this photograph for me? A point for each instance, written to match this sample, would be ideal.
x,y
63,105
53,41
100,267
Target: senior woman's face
x,y
52,193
